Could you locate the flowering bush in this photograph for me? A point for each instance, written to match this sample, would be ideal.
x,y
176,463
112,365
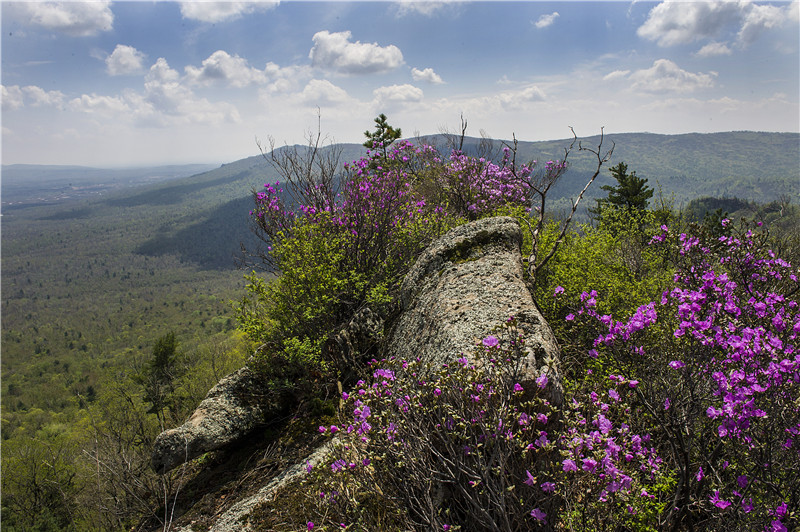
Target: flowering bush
x,y
447,444
466,446
344,243
718,378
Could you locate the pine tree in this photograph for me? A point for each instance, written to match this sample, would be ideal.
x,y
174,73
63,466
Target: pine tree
x,y
383,136
631,192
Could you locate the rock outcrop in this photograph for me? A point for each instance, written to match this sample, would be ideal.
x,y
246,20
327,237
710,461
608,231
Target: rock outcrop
x,y
464,285
232,409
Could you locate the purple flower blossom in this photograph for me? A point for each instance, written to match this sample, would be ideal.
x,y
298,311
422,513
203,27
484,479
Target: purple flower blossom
x,y
699,476
569,465
542,380
719,503
539,515
530,480
490,341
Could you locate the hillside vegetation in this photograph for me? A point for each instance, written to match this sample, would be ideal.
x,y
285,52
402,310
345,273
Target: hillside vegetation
x,y
92,287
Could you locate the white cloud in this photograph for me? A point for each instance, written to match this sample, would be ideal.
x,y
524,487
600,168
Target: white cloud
x,y
124,60
515,99
223,67
673,22
79,19
713,49
532,94
167,97
397,94
617,74
426,75
285,79
98,104
334,51
422,7
546,20
165,102
322,91
12,97
40,97
666,76
758,19
219,11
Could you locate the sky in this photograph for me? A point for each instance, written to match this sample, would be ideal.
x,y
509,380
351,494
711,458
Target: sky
x,y
114,84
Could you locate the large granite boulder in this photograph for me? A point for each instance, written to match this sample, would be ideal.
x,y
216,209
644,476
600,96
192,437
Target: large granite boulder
x,y
232,409
464,285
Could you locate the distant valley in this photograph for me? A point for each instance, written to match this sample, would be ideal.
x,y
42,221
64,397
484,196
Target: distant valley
x,y
25,185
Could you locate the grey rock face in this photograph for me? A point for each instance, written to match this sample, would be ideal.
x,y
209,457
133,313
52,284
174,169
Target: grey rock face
x,y
462,286
231,410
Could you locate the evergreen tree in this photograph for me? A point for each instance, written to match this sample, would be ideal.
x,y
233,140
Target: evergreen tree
x,y
630,193
383,136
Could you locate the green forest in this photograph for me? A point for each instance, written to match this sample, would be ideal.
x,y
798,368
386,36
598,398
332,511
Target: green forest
x,y
120,311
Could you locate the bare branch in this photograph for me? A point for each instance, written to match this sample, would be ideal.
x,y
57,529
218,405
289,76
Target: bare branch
x,y
534,264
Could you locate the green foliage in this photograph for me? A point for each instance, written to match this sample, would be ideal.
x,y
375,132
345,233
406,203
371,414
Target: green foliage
x,y
292,314
40,481
613,259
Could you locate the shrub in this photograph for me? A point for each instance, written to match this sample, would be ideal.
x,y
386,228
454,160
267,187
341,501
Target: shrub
x,y
718,372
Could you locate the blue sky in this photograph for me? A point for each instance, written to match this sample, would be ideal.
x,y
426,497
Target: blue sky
x,y
140,83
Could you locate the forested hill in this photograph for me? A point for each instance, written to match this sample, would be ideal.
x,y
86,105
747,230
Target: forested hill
x,y
751,165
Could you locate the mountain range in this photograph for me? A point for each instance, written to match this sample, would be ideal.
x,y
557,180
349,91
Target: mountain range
x,y
202,217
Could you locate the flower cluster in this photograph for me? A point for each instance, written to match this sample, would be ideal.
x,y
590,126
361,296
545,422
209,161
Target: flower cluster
x,y
478,415
718,354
